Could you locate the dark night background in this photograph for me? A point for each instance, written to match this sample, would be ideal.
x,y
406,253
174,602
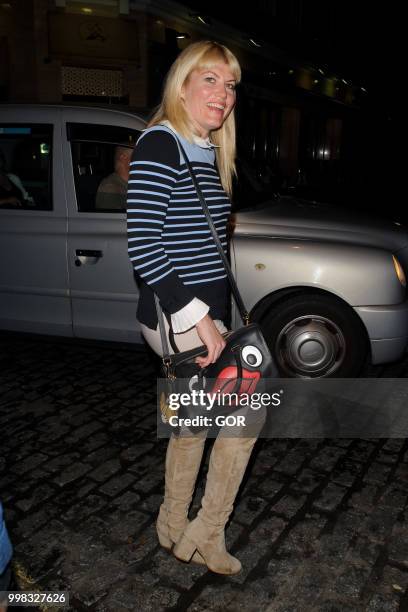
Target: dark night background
x,y
358,41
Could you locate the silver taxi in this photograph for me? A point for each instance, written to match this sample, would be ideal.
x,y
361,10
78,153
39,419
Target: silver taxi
x,y
327,286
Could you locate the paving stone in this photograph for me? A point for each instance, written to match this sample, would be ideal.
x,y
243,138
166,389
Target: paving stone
x,y
306,587
260,543
387,458
55,465
352,580
289,505
37,497
131,453
96,582
84,486
305,534
394,445
308,480
32,461
280,574
331,549
141,466
44,550
184,575
327,458
16,486
393,581
366,550
377,473
361,451
401,474
83,432
233,532
393,497
71,473
128,501
31,523
105,470
128,526
137,595
380,523
143,542
383,603
102,454
249,509
151,503
346,472
226,597
330,498
398,544
95,441
117,484
262,464
151,480
90,505
365,497
330,605
292,462
350,522
267,487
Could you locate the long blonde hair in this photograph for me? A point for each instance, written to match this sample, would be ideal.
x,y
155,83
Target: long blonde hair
x,y
202,54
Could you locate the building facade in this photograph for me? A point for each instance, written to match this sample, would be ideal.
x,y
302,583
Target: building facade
x,y
295,122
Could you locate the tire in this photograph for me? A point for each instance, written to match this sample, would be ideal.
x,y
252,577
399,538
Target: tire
x,y
315,336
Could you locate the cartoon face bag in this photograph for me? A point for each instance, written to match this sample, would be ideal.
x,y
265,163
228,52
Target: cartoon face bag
x,y
242,368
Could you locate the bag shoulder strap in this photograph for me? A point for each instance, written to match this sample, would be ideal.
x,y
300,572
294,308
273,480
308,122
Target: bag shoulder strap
x,y
238,299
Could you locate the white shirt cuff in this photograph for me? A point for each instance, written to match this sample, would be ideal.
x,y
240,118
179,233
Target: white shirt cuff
x,y
187,317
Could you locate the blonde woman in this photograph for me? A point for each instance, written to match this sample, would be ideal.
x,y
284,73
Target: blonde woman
x,y
175,256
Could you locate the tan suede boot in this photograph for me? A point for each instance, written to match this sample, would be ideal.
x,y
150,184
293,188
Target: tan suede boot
x,y
183,459
205,534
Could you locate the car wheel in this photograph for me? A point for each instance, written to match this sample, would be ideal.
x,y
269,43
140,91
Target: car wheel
x,y
315,336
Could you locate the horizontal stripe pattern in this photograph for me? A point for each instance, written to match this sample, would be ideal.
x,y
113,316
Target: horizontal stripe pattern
x,y
165,214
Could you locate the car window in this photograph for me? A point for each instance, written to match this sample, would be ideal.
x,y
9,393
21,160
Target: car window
x,y
25,166
100,158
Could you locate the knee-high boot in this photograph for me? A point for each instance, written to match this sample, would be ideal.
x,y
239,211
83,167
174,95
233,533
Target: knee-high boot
x,y
205,534
183,460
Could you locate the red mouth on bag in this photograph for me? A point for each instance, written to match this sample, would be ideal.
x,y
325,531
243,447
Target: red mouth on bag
x,y
227,379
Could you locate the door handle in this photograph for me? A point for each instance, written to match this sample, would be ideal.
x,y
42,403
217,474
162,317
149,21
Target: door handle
x,y
88,253
87,256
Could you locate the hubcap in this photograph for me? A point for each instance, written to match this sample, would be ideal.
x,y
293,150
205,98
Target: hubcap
x,y
310,346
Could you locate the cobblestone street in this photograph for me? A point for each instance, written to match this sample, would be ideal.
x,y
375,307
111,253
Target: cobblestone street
x,y
320,524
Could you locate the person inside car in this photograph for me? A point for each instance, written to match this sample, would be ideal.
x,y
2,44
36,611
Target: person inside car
x,y
112,189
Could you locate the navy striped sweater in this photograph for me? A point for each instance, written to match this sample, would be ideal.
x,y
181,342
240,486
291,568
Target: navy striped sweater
x,y
169,241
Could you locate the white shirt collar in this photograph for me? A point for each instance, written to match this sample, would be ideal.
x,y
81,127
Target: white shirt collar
x,y
204,143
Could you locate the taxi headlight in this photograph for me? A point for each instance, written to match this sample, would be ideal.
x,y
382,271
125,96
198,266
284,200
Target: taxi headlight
x,y
399,271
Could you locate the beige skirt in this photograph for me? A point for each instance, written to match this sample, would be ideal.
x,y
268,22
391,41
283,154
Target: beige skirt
x,y
185,341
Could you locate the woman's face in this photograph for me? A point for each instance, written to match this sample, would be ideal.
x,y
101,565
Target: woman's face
x,y
209,97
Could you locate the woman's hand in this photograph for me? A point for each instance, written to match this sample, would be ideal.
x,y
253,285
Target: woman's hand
x,y
212,339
